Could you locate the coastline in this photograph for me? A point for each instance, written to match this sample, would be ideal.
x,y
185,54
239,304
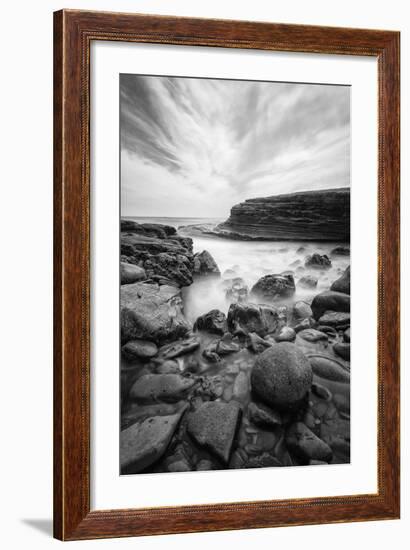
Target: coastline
x,y
186,370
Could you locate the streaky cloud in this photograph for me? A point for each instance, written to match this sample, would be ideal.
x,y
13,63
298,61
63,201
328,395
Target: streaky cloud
x,y
196,147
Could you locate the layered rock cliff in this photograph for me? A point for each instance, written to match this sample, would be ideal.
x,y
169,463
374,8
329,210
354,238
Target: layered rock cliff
x,y
322,215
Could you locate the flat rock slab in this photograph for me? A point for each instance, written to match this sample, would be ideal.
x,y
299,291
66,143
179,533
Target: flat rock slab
x,y
145,442
312,335
142,349
329,368
182,347
303,443
213,425
152,312
161,387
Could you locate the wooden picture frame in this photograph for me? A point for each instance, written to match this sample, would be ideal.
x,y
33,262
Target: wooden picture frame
x,y
74,32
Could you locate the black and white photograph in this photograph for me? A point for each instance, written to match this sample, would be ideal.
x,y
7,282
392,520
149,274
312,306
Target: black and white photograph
x,y
235,274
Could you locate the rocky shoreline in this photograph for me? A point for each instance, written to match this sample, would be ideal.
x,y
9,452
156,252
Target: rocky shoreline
x,y
303,216
265,384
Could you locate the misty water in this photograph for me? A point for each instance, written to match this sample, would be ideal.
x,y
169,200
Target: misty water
x,y
250,260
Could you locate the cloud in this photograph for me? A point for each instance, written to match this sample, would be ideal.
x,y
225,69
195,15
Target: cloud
x,y
195,147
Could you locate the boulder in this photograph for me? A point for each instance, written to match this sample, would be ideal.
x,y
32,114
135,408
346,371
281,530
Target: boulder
x,y
342,350
342,284
335,319
152,312
165,256
168,367
286,334
213,426
139,349
256,343
130,273
262,416
182,347
204,264
318,261
301,310
340,251
329,301
214,321
304,444
226,346
246,318
312,335
281,376
305,324
274,287
346,335
328,368
161,387
143,443
308,281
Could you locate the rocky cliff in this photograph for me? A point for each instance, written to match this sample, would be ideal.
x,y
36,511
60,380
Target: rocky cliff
x,y
308,215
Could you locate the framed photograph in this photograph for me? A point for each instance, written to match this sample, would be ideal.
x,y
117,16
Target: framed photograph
x,y
226,275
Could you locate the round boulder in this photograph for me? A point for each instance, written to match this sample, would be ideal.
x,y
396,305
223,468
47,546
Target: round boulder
x,y
282,376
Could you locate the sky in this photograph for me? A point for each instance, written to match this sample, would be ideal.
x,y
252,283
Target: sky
x,y
194,147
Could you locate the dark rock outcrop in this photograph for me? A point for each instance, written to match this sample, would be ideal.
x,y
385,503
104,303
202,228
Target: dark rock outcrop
x,y
281,376
246,318
165,256
214,321
307,216
204,264
274,287
152,312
